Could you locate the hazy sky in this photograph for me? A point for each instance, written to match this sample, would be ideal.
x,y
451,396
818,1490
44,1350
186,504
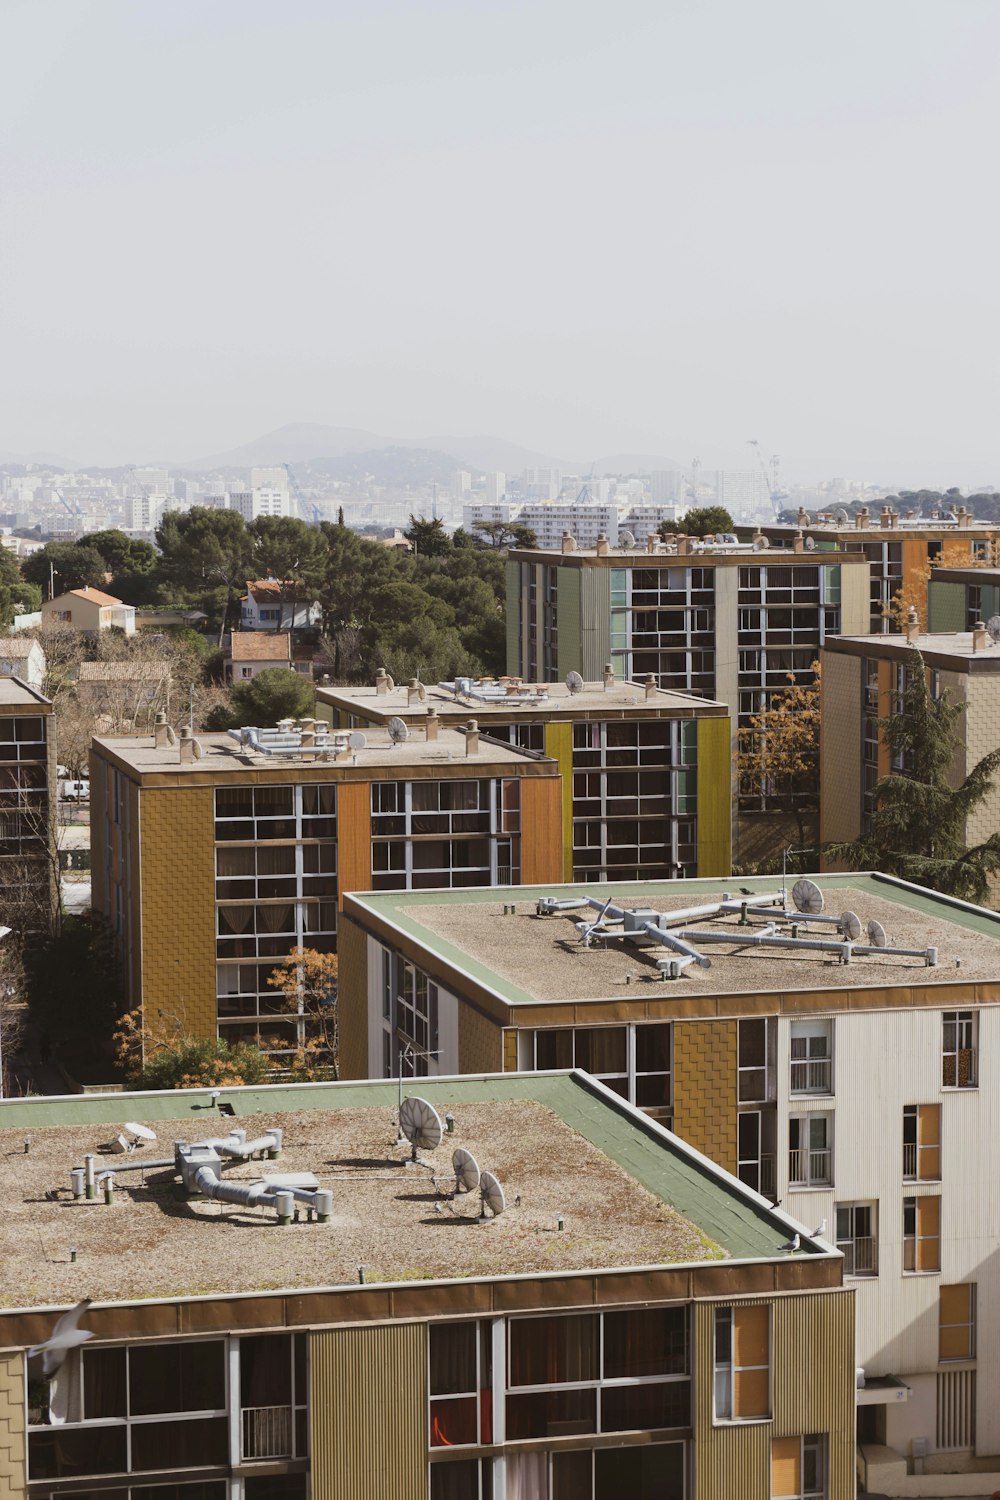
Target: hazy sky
x,y
654,225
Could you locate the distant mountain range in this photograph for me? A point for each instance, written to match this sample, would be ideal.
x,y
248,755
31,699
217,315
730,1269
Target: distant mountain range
x,y
308,442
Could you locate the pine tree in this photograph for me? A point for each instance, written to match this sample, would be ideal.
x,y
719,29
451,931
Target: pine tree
x,y
918,827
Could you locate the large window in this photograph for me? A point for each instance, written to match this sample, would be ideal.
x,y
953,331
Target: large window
x,y
431,834
756,1060
810,1150
410,1038
742,1363
653,1471
857,1237
922,1142
811,1051
959,1050
922,1234
635,1061
598,1372
798,1468
461,1412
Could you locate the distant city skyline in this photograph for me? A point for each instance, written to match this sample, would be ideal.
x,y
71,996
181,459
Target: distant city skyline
x,y
664,228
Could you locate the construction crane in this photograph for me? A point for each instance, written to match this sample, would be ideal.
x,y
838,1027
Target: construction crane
x,y
309,509
585,496
73,511
775,493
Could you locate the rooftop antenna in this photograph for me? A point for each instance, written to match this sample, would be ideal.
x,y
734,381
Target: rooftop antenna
x,y
421,1124
877,935
993,628
784,868
626,540
357,740
807,897
840,516
398,731
490,1196
850,925
467,1173
810,544
141,1132
574,683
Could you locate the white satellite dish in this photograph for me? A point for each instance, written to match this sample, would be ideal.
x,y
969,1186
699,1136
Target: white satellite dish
x,y
993,628
574,682
626,539
808,897
810,544
877,935
357,740
850,925
421,1124
142,1131
841,517
490,1196
467,1174
398,731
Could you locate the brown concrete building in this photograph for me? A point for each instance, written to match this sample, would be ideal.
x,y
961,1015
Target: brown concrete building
x,y
842,1063
632,1322
214,858
863,680
902,551
646,773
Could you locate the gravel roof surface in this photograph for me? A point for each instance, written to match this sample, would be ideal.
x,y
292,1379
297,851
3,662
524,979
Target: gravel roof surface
x,y
151,1243
543,955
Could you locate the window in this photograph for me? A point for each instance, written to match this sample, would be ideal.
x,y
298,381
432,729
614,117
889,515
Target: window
x,y
811,1057
798,1468
653,1471
274,1394
471,1479
959,1060
857,1237
810,1157
598,1372
742,1363
957,1321
922,1234
461,1412
756,1082
922,1142
409,1018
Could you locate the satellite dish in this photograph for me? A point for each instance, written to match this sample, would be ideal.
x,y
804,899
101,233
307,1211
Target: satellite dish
x,y
574,682
841,517
398,731
142,1131
808,897
993,628
626,539
421,1124
357,740
491,1196
877,935
850,925
467,1174
810,544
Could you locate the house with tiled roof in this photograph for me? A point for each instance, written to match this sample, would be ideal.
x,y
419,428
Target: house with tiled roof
x,y
253,651
88,610
22,656
278,604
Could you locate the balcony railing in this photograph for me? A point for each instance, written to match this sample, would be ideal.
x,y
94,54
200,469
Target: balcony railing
x,y
267,1432
811,1075
812,1168
909,1159
860,1256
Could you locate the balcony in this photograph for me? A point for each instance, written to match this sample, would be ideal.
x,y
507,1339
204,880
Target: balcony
x,y
267,1432
909,1161
811,1075
808,1168
860,1256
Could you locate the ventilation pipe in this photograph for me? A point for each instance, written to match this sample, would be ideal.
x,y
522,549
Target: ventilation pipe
x,y
163,735
568,542
979,636
798,542
602,547
472,738
649,686
609,676
383,682
862,519
432,724
913,625
190,747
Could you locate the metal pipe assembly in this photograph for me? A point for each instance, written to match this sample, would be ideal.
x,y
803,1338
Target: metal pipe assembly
x,y
643,926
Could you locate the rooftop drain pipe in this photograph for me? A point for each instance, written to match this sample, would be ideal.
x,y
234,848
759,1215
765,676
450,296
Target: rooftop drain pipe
x,y
846,948
316,739
513,694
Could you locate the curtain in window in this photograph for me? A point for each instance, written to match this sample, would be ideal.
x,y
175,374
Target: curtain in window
x,y
275,919
235,919
528,1476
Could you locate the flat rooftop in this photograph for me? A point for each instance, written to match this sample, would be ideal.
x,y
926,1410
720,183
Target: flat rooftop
x,y
140,755
723,555
630,1193
918,526
530,701
526,959
939,649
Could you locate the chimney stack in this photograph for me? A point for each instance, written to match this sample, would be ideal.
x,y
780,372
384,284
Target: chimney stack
x,y
163,735
189,746
651,541
382,682
798,542
568,542
433,723
912,624
609,676
862,519
472,738
887,520
683,544
803,516
415,692
603,547
649,686
979,636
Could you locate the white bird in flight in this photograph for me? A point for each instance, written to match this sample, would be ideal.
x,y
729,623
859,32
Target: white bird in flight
x,y
66,1335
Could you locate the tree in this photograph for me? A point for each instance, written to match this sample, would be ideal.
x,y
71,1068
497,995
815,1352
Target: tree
x,y
918,826
208,556
121,553
307,980
177,1061
503,534
17,596
429,538
74,564
274,694
778,759
703,520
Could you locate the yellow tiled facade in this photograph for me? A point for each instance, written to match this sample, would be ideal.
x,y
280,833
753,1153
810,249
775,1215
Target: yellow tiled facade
x,y
12,1427
178,902
480,1042
705,1088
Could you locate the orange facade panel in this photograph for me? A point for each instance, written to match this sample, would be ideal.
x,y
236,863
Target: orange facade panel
x,y
541,830
354,837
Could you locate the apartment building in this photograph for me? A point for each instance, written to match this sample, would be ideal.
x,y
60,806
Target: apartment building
x,y
214,857
646,785
834,1046
260,502
28,799
721,620
957,598
600,1312
864,680
903,551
